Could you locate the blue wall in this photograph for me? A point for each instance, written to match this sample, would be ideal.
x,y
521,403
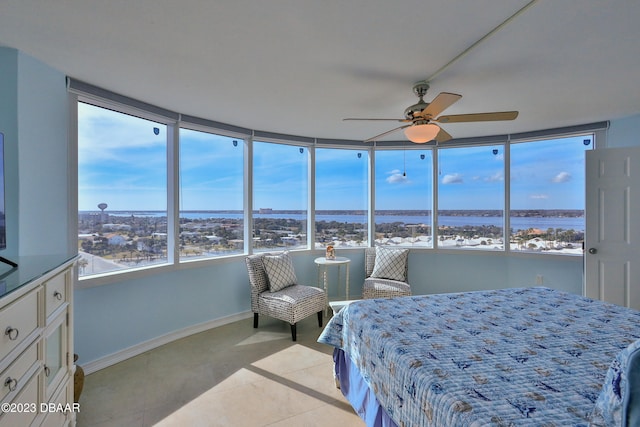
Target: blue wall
x,y
114,317
34,119
9,127
111,318
431,273
43,118
624,132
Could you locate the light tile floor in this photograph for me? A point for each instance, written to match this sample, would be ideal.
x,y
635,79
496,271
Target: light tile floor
x,y
233,375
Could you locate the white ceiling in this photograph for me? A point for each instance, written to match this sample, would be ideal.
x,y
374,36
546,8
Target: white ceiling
x,y
299,66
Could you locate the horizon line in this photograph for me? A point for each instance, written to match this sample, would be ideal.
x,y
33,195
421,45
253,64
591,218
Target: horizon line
x,y
333,210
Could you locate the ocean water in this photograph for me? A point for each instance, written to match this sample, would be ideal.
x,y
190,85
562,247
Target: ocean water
x,y
517,223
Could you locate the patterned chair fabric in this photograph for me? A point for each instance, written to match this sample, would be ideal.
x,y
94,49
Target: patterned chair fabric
x,y
290,304
374,287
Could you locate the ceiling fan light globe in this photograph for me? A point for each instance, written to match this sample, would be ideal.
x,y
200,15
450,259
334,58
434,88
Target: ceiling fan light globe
x,y
420,134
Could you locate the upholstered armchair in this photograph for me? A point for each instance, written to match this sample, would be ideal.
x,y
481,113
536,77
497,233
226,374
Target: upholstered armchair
x,y
386,273
275,292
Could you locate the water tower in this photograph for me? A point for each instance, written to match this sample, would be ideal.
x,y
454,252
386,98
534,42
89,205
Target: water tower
x,y
102,207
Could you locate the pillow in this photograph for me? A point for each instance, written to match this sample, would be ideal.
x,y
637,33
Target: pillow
x,y
280,271
390,264
611,402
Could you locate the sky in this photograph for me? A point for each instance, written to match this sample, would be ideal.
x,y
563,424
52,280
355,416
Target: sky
x,y
122,162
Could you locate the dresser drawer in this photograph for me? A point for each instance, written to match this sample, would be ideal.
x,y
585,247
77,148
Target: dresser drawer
x,y
55,291
17,321
23,409
15,375
58,409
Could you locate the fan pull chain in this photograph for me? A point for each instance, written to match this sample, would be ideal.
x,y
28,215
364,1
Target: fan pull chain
x,y
404,159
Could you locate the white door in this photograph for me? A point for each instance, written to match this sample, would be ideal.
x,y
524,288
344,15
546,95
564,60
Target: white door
x,y
612,239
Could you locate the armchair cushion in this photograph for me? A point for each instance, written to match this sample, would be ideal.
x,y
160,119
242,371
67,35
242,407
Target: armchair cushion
x,y
280,271
390,264
292,303
384,288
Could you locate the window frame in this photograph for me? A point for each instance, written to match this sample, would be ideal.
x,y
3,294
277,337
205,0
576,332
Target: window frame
x,y
433,202
594,134
366,151
506,145
78,92
171,187
310,202
241,141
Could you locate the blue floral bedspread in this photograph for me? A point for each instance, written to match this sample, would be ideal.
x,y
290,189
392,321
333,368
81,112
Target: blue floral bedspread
x,y
510,357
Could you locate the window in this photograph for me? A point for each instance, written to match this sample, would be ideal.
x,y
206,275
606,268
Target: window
x,y
548,195
404,197
211,195
122,191
471,197
280,196
341,197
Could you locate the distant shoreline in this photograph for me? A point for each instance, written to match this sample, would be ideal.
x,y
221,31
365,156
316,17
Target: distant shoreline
x,y
532,213
127,239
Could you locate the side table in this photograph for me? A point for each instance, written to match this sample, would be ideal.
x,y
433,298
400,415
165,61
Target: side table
x,y
324,264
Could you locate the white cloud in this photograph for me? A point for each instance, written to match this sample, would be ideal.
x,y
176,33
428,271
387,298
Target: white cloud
x,y
396,177
562,177
496,177
452,178
539,196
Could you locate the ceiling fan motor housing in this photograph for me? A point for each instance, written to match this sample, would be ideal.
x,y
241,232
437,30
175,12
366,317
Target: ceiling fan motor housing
x,y
410,111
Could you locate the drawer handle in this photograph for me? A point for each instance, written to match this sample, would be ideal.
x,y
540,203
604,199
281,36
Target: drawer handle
x,y
12,333
57,295
47,371
12,383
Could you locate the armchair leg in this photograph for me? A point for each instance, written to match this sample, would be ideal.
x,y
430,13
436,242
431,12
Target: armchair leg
x,y
255,320
320,319
293,332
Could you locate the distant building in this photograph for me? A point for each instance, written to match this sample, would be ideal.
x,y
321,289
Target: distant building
x,y
189,234
265,210
116,227
290,240
116,239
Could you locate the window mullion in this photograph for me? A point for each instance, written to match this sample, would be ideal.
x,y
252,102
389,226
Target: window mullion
x,y
311,201
506,228
372,196
434,202
248,195
173,193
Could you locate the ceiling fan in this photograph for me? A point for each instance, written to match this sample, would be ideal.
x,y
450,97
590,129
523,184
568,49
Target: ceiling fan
x,y
421,116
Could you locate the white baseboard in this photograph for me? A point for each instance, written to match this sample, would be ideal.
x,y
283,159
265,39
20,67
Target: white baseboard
x,y
112,359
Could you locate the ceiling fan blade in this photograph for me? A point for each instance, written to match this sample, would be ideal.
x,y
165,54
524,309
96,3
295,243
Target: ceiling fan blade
x,y
441,102
443,136
478,117
385,133
379,120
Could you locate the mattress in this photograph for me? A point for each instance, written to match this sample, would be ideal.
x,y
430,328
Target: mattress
x,y
526,357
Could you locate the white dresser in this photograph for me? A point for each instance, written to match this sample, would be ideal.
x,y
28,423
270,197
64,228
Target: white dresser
x,y
36,342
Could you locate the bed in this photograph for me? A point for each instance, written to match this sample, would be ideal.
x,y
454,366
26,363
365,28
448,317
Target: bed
x,y
510,357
